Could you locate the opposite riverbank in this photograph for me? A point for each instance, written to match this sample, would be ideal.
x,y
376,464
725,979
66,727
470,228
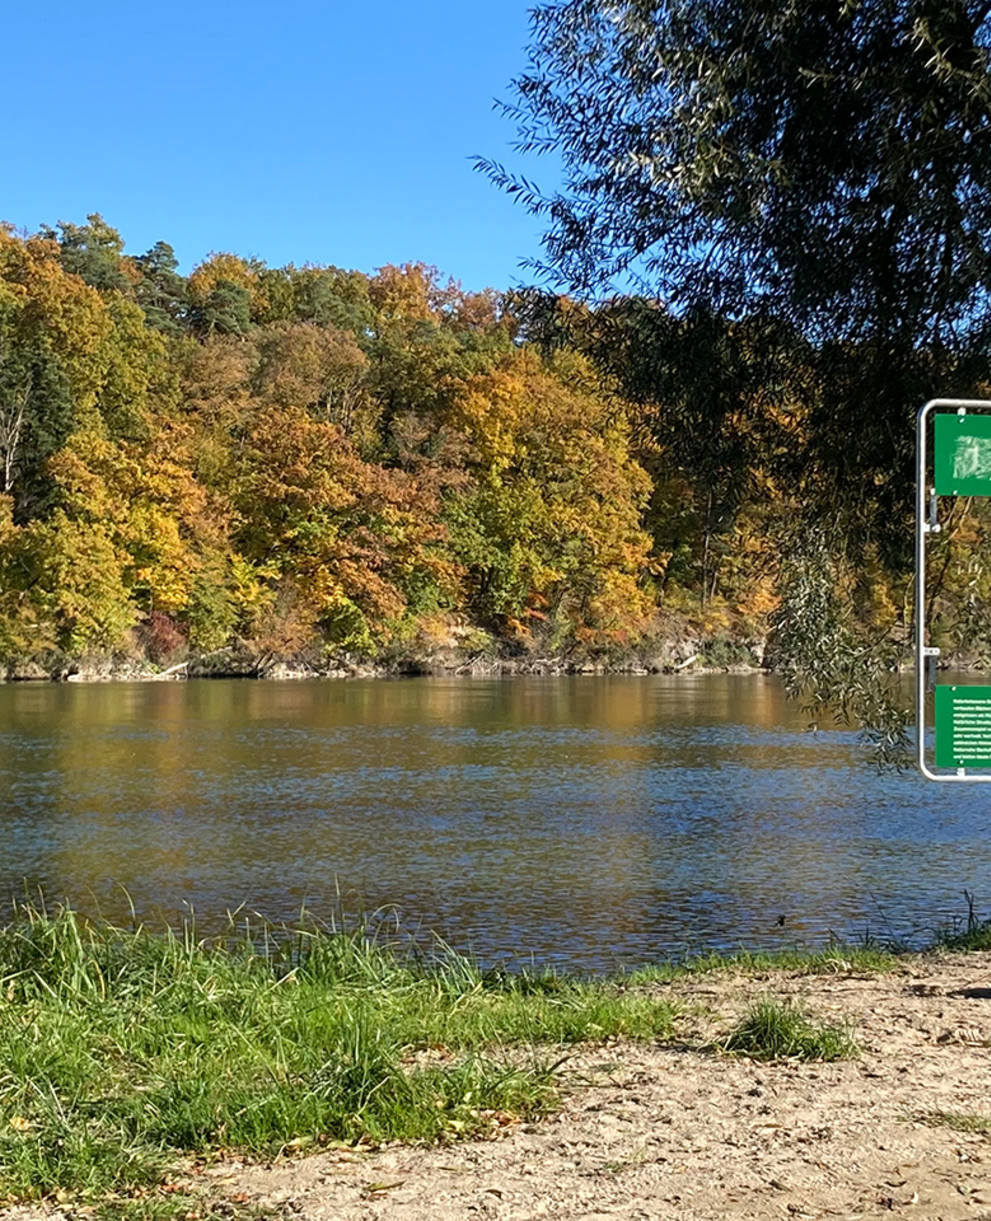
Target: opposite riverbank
x,y
670,655
158,1076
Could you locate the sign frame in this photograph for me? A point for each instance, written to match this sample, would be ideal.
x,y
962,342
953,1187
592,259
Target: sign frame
x,y
926,523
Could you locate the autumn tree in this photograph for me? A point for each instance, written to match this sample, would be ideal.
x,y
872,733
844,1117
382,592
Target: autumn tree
x,y
709,401
327,296
54,331
224,292
322,368
549,530
339,541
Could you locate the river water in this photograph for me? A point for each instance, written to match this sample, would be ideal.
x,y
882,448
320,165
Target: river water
x,y
590,822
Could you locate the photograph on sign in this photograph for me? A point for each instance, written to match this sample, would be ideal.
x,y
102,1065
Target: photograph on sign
x,y
962,444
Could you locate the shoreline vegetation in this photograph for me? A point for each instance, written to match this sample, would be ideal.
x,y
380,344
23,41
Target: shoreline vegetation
x,y
681,657
133,1057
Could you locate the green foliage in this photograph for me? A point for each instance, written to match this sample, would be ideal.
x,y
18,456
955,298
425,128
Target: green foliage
x,y
822,157
211,612
92,251
51,331
772,1030
833,659
552,522
72,577
224,310
135,368
161,291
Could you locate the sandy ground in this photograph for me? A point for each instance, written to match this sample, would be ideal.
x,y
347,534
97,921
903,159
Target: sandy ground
x,y
656,1132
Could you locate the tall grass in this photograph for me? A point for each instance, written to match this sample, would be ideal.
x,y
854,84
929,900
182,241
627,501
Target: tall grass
x,y
122,1048
776,1030
972,934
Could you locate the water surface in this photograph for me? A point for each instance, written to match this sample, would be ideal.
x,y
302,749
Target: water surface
x,y
593,822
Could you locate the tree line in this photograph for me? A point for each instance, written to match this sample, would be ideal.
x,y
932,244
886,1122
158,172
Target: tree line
x,y
314,463
298,461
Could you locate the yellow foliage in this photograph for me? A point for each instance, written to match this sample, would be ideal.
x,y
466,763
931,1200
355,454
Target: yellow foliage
x,y
403,294
221,266
68,316
560,495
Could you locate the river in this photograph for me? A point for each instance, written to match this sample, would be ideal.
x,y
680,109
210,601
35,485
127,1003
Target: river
x,y
594,823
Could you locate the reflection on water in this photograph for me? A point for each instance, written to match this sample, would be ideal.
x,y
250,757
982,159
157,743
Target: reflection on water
x,y
594,822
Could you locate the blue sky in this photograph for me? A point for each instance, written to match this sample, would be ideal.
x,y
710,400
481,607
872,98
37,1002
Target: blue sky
x,y
330,132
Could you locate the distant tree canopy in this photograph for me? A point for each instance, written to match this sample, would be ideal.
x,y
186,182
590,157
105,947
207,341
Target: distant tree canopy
x,y
297,462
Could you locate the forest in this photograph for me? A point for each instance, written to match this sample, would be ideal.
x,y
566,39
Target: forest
x,y
333,469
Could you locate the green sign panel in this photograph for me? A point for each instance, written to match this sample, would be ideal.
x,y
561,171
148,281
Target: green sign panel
x,y
963,726
962,454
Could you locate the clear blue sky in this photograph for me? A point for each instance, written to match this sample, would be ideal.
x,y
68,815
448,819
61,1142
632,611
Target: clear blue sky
x,y
335,132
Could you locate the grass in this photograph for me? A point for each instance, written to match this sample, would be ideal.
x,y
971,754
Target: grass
x,y
775,1030
973,934
958,1121
121,1050
178,1206
126,1053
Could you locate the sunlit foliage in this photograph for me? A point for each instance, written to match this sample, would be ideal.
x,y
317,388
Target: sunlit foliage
x,y
324,466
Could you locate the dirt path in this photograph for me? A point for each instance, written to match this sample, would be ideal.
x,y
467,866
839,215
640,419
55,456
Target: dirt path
x,y
659,1133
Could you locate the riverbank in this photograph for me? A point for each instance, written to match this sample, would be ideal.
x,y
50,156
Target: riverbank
x,y
648,1132
673,648
157,1076
282,669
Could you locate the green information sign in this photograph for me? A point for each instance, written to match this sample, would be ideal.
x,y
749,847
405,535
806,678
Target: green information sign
x,y
962,460
963,726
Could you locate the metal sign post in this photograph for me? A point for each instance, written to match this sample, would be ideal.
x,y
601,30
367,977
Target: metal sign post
x,y
961,467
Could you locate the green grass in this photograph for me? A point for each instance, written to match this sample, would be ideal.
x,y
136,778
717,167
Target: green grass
x,y
975,938
974,933
179,1206
774,1030
124,1051
958,1121
120,1049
